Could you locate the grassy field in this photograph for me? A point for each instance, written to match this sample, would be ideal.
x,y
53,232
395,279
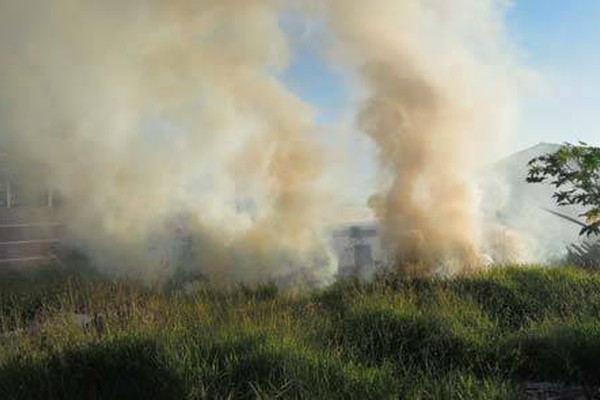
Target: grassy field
x,y
478,337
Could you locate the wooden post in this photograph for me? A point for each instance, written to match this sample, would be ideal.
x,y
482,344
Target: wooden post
x,y
8,194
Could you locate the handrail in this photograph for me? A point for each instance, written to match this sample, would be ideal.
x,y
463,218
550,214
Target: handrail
x,y
32,224
35,241
26,259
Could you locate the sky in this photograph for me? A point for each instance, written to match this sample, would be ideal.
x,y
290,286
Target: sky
x,y
557,40
561,41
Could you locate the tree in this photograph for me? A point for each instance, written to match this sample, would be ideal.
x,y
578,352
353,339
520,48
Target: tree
x,y
574,170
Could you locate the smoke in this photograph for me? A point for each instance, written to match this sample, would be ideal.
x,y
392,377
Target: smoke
x,y
145,112
440,82
520,221
140,111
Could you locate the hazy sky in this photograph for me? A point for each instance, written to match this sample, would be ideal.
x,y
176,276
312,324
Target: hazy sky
x,y
559,40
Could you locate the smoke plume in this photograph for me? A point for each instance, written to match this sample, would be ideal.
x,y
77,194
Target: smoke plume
x,y
148,111
438,102
140,110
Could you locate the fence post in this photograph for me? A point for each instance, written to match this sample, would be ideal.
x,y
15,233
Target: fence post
x,y
8,194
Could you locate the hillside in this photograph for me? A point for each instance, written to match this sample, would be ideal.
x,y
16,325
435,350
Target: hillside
x,y
500,335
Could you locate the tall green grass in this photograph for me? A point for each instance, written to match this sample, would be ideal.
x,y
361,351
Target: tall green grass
x,y
480,336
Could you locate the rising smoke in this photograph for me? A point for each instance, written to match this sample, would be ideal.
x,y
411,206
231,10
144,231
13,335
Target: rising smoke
x,y
147,111
439,102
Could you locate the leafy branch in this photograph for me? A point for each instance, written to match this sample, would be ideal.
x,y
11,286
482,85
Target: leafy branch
x,y
574,170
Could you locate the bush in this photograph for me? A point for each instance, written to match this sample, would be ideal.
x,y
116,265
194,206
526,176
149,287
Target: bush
x,y
585,255
125,369
563,353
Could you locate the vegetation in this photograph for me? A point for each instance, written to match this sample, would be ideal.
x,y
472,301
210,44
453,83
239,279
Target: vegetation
x,y
584,255
482,336
575,172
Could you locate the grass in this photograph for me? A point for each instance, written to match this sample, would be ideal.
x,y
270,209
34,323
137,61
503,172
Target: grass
x,y
481,336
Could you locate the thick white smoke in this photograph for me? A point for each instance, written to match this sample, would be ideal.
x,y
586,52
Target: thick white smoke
x,y
146,111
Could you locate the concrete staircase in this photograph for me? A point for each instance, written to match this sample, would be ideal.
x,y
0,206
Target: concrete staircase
x,y
28,235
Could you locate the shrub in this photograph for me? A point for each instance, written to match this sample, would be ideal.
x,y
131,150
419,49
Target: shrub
x,y
124,369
